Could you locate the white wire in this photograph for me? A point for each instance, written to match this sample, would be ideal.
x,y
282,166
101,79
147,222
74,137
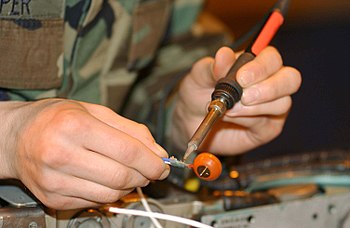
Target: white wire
x,y
158,216
147,207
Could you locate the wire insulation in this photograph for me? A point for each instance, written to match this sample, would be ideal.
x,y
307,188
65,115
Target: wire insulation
x,y
267,32
147,207
173,218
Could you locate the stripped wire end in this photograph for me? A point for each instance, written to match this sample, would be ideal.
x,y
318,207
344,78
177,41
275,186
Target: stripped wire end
x,y
172,161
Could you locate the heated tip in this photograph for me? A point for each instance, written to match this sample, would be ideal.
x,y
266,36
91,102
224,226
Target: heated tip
x,y
189,151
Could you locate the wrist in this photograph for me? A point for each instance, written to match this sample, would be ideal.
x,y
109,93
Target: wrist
x,y
11,119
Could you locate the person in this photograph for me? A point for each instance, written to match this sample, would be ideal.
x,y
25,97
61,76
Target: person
x,y
61,135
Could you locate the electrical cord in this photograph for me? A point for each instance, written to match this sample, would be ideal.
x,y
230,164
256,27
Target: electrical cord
x,y
162,216
283,5
155,215
147,207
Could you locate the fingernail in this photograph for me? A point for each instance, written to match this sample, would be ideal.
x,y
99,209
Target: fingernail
x,y
246,78
250,95
162,151
166,172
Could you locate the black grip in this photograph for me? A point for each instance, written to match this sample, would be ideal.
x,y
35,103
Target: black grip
x,y
228,88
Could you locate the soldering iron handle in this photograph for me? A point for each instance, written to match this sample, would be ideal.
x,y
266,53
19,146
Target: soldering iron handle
x,y
227,88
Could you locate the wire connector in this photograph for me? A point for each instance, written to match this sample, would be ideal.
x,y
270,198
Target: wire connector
x,y
172,161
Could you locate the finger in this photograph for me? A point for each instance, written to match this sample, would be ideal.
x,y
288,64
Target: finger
x,y
265,64
67,192
202,79
82,129
208,70
59,202
257,123
90,191
285,82
123,148
97,168
111,118
201,75
252,131
247,132
276,107
224,60
266,129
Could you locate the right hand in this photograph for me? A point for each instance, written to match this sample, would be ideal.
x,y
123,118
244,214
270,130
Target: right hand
x,y
261,113
72,154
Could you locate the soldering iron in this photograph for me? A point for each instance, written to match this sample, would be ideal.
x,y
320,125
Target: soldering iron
x,y
227,90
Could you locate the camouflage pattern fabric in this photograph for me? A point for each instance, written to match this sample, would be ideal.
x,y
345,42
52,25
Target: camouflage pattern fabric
x,y
31,34
126,54
69,48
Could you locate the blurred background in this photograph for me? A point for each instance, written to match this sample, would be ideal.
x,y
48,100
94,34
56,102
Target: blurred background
x,y
314,39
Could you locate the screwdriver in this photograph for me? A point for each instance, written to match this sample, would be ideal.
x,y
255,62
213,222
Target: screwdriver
x,y
227,90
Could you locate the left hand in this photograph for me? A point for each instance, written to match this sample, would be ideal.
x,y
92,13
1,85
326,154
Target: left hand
x,y
257,119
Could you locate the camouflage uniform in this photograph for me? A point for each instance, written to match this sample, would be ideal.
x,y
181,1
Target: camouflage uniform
x,y
125,54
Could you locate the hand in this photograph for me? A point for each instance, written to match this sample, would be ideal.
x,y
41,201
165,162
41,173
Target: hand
x,y
256,119
73,154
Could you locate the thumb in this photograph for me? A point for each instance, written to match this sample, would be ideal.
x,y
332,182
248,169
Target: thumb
x,y
224,59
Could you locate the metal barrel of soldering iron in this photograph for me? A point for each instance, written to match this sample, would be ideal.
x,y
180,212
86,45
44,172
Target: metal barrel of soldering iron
x,y
227,92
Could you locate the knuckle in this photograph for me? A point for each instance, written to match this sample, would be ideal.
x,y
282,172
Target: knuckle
x,y
142,128
54,157
129,150
58,203
276,127
260,71
277,130
52,185
268,62
286,104
109,196
276,57
103,109
68,120
145,183
145,131
53,200
265,93
120,179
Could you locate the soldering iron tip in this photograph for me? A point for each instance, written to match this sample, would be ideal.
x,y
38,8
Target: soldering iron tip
x,y
189,150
